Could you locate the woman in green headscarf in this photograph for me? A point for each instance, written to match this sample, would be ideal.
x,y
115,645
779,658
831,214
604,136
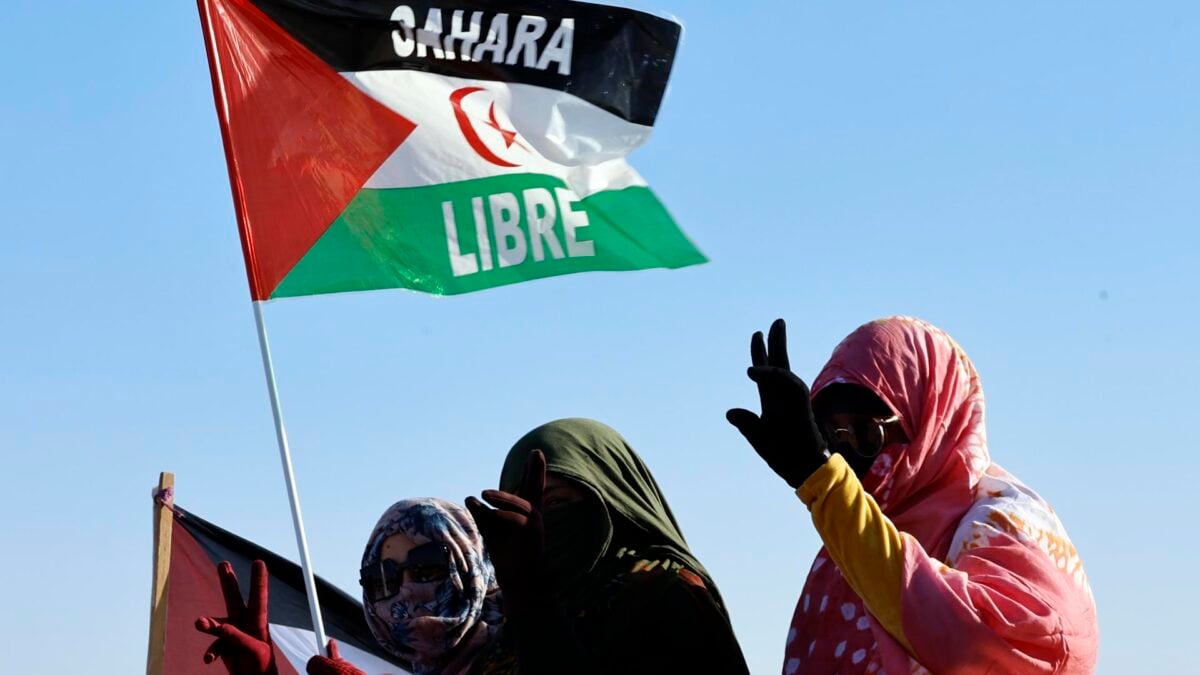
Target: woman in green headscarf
x,y
596,576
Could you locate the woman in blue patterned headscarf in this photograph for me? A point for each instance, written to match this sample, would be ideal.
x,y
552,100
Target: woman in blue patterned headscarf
x,y
429,596
429,593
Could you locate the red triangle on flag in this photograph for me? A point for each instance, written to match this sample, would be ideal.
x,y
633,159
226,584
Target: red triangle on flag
x,y
300,140
194,591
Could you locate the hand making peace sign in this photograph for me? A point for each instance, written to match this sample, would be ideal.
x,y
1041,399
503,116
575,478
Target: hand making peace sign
x,y
243,638
514,535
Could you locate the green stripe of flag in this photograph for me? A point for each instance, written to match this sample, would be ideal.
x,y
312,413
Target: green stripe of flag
x,y
406,237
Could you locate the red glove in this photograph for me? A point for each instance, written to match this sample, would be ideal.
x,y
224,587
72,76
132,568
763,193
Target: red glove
x,y
515,538
333,664
243,641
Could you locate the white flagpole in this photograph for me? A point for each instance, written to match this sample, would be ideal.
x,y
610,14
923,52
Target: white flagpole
x,y
285,456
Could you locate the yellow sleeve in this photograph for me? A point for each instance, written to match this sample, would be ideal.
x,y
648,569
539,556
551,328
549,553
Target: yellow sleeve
x,y
862,542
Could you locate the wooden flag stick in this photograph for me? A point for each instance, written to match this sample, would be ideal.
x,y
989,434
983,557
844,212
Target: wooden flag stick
x,y
163,496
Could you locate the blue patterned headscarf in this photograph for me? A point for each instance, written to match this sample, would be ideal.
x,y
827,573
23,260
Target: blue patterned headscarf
x,y
429,623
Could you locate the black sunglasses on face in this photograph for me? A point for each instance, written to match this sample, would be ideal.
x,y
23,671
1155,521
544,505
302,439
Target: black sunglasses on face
x,y
864,437
427,562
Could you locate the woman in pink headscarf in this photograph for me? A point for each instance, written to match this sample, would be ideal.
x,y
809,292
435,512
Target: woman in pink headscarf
x,y
935,558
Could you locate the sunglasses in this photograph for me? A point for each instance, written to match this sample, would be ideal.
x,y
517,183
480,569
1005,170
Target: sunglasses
x,y
865,437
427,562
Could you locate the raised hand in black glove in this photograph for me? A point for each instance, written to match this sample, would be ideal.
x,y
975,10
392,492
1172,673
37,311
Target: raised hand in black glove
x,y
786,434
515,537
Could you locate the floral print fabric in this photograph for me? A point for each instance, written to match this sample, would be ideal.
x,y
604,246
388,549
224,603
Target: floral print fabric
x,y
436,625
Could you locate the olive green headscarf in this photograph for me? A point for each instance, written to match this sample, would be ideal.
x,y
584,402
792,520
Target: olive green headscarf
x,y
598,458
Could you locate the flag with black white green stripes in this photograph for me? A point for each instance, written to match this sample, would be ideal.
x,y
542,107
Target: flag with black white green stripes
x,y
442,148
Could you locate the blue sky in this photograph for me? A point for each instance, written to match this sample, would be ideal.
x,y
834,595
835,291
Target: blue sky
x,y
1026,176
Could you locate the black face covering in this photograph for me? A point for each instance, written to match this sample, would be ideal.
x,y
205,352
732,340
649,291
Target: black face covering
x,y
623,499
577,535
862,403
858,463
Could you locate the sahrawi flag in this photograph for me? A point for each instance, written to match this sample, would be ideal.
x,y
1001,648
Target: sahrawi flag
x,y
193,590
443,148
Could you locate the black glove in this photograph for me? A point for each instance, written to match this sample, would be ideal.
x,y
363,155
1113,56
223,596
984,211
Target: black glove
x,y
515,538
786,434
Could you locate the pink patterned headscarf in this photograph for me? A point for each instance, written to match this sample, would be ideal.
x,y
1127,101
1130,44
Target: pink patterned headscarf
x,y
991,582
